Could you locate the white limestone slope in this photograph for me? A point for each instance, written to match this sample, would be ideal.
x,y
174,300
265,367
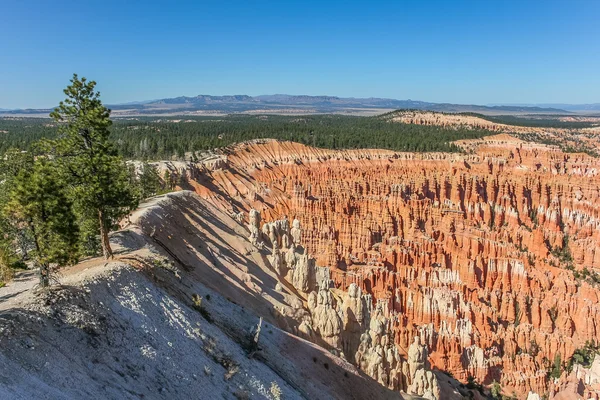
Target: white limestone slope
x,y
128,329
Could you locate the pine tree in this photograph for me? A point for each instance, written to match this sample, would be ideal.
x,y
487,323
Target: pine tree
x,y
39,206
7,250
100,178
168,179
556,370
13,241
149,181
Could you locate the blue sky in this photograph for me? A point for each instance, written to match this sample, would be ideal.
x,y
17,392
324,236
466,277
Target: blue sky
x,y
485,51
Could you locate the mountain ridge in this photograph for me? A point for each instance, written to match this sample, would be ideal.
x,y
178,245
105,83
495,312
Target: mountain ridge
x,y
563,106
285,103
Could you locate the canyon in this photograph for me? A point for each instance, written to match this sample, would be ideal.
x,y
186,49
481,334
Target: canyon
x,y
478,257
279,270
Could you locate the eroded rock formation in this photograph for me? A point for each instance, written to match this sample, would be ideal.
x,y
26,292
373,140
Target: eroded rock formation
x,y
488,258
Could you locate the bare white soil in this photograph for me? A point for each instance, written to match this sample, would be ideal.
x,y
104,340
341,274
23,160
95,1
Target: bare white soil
x,y
128,329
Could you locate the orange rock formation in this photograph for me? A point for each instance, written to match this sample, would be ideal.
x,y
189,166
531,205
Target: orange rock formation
x,y
470,253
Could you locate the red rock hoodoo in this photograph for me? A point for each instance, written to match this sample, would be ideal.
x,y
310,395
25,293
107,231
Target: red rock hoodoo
x,y
480,255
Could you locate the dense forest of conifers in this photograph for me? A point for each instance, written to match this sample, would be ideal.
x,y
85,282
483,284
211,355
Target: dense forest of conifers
x,y
151,138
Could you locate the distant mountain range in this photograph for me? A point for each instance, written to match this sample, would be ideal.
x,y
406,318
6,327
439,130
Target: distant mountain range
x,y
317,104
283,103
568,107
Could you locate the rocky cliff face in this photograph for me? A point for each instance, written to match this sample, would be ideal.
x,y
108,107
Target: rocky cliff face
x,y
343,321
481,265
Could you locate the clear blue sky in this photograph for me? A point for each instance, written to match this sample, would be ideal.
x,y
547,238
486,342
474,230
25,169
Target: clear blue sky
x,y
484,51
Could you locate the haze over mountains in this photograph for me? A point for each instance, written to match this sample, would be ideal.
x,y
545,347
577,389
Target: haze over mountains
x,y
283,103
593,107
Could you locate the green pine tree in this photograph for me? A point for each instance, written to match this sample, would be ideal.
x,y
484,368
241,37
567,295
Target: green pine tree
x,y
168,179
14,242
100,178
556,370
39,206
149,181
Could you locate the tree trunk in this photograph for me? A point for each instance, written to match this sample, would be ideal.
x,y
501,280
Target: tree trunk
x,y
106,249
44,275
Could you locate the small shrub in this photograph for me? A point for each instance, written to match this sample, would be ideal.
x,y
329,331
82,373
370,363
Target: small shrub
x,y
584,356
197,300
553,313
20,264
275,391
231,371
496,391
518,313
534,348
563,253
197,304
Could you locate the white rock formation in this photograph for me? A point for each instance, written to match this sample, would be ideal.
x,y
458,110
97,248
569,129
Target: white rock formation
x,y
254,227
533,396
325,320
296,232
422,382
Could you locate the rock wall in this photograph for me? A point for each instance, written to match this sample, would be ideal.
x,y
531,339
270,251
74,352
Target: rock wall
x,y
475,255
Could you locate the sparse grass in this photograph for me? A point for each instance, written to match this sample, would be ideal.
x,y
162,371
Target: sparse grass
x,y
163,263
231,371
221,358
